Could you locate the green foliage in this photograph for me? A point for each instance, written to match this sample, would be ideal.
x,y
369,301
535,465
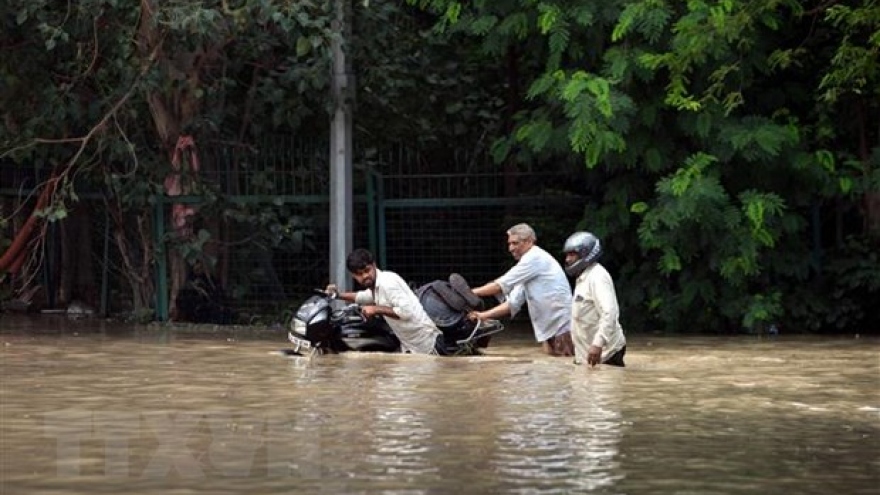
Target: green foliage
x,y
193,249
419,86
261,231
728,148
756,139
649,19
853,282
763,309
700,122
845,294
855,66
100,90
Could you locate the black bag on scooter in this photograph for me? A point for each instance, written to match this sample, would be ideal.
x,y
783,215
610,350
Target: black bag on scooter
x,y
448,303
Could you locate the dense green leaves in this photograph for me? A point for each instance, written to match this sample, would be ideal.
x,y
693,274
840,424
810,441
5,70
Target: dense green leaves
x,y
730,148
732,110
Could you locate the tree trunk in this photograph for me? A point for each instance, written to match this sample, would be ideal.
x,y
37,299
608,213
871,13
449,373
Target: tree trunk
x,y
172,111
11,259
137,258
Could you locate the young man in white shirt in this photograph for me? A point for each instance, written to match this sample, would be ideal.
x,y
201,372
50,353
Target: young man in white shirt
x,y
596,331
386,294
537,279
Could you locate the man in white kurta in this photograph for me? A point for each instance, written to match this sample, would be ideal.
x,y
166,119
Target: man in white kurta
x,y
386,294
537,280
414,328
595,317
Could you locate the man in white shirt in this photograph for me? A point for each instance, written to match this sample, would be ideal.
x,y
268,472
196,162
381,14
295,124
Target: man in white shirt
x,y
386,294
596,331
537,279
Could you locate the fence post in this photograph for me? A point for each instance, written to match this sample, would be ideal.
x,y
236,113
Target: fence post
x,y
161,259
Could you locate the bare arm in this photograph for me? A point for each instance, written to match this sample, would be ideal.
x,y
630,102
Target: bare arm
x,y
499,311
368,309
332,289
490,289
346,296
373,310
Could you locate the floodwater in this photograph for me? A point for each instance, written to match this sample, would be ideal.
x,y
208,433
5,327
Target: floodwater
x,y
92,407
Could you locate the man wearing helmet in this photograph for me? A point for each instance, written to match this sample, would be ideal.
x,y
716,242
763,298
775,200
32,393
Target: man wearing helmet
x,y
596,331
538,280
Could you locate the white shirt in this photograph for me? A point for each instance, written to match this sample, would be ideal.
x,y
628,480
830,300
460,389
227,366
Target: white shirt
x,y
415,329
595,314
538,279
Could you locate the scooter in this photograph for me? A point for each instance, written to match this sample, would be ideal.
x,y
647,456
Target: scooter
x,y
325,324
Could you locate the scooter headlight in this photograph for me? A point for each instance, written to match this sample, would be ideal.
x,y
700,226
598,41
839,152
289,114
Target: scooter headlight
x,y
298,326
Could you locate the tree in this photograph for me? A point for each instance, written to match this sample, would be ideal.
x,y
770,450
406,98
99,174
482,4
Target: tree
x,y
106,92
697,123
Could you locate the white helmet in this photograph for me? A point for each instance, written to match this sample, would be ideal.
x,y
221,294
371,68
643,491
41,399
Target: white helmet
x,y
588,249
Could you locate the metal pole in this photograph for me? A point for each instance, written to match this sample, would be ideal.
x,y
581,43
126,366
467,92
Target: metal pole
x,y
341,150
372,178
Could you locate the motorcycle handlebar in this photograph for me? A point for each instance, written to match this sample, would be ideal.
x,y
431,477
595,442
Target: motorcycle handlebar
x,y
322,292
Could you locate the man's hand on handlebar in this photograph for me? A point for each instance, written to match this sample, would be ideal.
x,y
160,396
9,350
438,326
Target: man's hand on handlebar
x,y
332,291
476,315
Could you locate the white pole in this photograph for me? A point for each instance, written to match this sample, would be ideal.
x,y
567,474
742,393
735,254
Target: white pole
x,y
341,151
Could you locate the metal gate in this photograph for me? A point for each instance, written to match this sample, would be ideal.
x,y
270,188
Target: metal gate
x,y
432,225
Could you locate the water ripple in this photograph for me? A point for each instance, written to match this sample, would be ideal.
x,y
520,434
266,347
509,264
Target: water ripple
x,y
194,415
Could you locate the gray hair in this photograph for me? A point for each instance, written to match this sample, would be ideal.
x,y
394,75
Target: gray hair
x,y
523,231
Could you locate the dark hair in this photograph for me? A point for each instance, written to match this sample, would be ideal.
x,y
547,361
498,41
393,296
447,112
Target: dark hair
x,y
359,259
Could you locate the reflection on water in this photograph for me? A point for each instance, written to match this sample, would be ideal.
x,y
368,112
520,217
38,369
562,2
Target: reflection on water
x,y
128,410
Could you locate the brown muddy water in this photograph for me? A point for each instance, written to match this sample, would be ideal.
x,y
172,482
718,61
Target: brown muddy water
x,y
92,407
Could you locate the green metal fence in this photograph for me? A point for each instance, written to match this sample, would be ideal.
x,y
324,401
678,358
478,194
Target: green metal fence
x,y
426,238
432,224
420,224
270,261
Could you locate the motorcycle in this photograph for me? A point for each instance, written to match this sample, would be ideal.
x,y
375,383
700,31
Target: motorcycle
x,y
325,324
